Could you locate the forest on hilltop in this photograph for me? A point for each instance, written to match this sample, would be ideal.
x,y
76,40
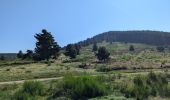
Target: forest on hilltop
x,y
146,37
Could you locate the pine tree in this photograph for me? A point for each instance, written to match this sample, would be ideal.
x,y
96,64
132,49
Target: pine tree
x,y
131,48
160,49
2,58
95,47
103,54
46,47
29,55
70,51
77,47
20,54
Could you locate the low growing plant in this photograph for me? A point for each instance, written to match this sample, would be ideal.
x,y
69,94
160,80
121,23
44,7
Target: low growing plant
x,y
82,87
31,90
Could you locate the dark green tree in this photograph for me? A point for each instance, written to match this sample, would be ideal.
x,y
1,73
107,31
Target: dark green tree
x,y
102,54
160,49
77,47
2,58
20,54
55,51
95,47
29,54
70,51
46,47
131,48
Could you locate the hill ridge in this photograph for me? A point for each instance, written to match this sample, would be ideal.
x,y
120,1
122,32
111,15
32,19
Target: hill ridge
x,y
131,36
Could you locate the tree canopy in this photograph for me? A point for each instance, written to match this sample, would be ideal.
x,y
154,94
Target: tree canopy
x,y
71,51
20,54
103,54
46,47
131,48
95,47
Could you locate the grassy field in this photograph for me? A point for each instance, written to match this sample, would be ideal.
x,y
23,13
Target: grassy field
x,y
142,61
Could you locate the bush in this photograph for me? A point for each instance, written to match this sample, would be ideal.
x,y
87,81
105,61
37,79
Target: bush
x,y
160,49
128,90
167,91
103,54
108,68
85,66
103,69
137,89
141,90
19,95
158,84
150,85
82,87
131,48
31,90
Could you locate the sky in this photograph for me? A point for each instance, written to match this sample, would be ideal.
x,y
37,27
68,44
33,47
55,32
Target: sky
x,y
71,21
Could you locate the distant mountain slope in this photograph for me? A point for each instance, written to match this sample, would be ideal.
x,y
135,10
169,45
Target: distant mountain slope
x,y
146,37
9,56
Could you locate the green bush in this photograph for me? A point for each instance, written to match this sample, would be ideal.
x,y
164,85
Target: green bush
x,y
158,84
31,90
110,68
19,95
141,89
137,89
103,69
82,87
167,91
145,86
6,91
128,90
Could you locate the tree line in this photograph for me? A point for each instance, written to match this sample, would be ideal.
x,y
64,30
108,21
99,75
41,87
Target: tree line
x,y
47,48
157,38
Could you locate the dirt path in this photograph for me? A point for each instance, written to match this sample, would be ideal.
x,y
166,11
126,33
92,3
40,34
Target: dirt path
x,y
57,78
22,81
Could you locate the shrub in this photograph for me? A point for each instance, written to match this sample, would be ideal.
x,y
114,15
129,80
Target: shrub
x,y
131,48
141,90
103,69
150,85
103,54
108,68
128,90
19,95
158,84
49,63
85,66
137,89
33,88
167,91
160,49
8,69
82,87
30,90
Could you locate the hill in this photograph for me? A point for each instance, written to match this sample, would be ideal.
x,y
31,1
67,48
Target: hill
x,y
9,56
146,37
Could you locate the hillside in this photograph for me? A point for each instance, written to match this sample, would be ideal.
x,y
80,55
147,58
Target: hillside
x,y
118,74
145,37
9,56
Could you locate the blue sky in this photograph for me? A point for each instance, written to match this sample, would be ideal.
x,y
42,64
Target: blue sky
x,y
74,20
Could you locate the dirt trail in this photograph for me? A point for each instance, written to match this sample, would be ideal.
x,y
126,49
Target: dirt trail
x,y
22,81
58,78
